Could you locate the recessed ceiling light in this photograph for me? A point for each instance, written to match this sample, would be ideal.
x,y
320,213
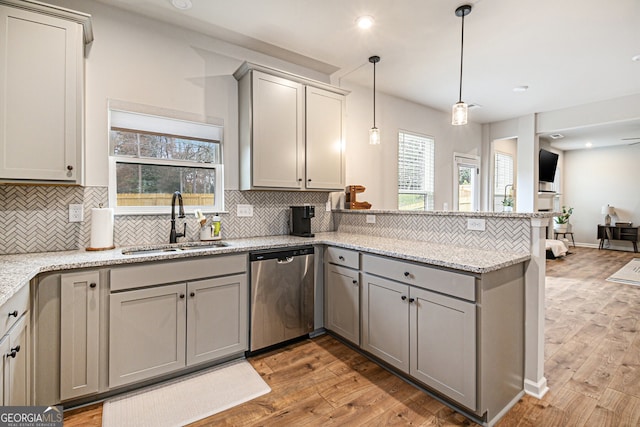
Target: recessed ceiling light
x,y
589,145
636,58
365,22
556,136
182,4
522,88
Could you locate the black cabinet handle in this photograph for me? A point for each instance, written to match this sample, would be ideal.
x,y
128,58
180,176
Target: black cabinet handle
x,y
403,297
181,296
192,294
411,300
13,313
92,285
407,274
14,352
341,258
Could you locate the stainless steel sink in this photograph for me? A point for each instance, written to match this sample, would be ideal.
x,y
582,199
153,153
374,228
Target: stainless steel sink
x,y
182,247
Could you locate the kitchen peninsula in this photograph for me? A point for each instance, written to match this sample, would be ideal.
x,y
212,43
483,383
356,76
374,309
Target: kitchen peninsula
x,y
487,269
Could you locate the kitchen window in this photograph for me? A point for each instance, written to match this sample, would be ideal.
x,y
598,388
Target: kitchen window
x,y
503,178
151,157
415,171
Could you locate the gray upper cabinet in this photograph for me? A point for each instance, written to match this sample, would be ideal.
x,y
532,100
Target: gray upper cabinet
x,y
292,131
41,87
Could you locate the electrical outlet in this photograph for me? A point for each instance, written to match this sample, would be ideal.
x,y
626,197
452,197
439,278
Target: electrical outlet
x,y
244,210
476,224
76,213
371,219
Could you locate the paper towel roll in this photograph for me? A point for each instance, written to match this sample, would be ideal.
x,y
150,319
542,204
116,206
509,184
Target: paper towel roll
x,y
101,228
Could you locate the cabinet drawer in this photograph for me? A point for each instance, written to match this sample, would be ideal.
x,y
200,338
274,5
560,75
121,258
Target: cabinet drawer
x,y
13,309
138,276
343,257
446,282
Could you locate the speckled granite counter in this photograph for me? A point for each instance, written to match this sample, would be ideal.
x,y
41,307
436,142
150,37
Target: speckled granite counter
x,y
17,270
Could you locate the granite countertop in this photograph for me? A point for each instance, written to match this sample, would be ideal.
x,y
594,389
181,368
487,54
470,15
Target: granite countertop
x,y
17,270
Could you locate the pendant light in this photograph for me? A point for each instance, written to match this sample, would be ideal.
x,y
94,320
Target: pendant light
x,y
374,132
459,111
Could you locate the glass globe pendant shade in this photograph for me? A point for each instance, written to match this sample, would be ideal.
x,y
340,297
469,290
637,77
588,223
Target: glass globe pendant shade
x,y
374,136
459,114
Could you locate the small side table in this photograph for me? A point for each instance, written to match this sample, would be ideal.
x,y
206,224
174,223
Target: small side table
x,y
564,236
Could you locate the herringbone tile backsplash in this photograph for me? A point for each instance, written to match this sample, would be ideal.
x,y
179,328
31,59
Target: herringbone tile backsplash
x,y
36,219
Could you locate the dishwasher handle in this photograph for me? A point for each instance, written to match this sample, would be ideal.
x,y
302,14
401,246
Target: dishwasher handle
x,y
285,260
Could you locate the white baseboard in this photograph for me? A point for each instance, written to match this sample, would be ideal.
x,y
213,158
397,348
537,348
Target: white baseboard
x,y
537,390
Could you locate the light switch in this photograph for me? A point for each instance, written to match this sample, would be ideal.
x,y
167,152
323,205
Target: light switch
x,y
244,210
476,224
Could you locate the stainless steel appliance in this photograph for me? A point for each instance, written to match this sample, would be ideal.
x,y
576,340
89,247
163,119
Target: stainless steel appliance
x,y
282,296
300,220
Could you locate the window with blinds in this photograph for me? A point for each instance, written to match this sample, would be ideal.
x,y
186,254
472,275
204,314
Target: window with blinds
x,y
415,171
503,176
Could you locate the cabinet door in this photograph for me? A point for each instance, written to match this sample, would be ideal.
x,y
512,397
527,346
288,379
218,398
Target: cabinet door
x,y
325,113
385,320
278,132
343,302
40,88
146,333
217,318
79,334
16,369
443,345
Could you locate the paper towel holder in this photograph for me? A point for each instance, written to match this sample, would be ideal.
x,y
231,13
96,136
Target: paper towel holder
x,y
105,248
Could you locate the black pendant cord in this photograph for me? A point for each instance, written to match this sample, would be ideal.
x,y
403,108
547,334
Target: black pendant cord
x,y
374,60
461,58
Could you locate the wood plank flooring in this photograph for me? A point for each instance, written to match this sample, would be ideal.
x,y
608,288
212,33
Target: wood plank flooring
x,y
592,364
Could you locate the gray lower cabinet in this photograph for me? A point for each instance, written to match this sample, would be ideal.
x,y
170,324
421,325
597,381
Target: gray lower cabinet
x,y
343,302
429,336
385,320
79,334
442,344
15,347
147,333
158,330
217,318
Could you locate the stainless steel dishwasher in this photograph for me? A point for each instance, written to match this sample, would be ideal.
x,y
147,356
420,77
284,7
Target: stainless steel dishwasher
x,y
282,296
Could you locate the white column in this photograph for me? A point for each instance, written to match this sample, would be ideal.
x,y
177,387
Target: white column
x,y
535,382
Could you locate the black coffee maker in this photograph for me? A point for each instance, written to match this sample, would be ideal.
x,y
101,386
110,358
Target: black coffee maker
x,y
300,220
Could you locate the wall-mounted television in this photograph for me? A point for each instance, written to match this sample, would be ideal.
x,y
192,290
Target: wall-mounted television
x,y
547,164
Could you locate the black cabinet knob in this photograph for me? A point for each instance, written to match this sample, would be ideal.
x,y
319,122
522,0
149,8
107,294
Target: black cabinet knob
x,y
407,274
92,285
69,168
299,179
181,296
14,352
403,297
355,282
192,294
309,179
411,300
13,313
341,258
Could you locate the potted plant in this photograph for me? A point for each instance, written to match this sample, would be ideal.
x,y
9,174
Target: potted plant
x,y
562,221
507,204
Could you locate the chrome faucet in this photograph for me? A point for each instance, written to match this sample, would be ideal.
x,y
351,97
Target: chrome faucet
x,y
173,237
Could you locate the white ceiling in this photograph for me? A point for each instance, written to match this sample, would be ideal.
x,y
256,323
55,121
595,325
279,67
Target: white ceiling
x,y
567,52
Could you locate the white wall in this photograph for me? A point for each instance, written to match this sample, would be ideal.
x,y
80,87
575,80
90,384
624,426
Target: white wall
x,y
376,167
596,177
139,60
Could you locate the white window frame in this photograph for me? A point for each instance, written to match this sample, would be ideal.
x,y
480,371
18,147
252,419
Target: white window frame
x,y
164,122
429,204
498,191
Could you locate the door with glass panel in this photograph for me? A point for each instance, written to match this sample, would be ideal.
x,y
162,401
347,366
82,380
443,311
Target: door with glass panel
x,y
466,197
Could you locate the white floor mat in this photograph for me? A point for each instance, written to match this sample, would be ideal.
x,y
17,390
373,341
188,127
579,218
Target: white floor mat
x,y
629,274
184,401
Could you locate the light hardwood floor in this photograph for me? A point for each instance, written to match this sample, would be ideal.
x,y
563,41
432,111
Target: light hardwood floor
x,y
592,364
